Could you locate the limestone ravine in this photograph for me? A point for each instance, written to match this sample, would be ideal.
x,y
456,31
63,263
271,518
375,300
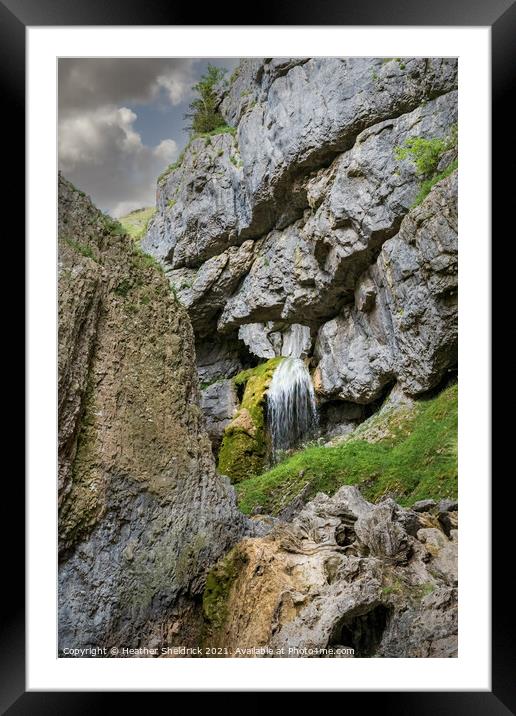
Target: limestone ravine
x,y
288,323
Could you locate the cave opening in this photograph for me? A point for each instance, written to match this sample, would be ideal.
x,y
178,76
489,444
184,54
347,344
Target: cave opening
x,y
363,632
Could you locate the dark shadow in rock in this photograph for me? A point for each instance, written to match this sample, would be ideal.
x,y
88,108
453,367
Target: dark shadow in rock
x,y
363,632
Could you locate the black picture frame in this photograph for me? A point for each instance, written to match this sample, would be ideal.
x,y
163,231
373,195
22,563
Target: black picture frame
x,y
500,15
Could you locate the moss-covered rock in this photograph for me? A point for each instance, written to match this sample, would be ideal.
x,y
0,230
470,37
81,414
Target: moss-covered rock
x,y
244,446
218,586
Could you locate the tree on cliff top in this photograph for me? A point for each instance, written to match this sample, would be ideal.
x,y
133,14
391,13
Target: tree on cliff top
x,y
204,115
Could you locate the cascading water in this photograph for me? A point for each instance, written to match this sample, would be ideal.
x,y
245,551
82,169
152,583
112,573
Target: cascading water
x,y
291,408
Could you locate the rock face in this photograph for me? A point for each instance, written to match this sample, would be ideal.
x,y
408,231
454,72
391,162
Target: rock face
x,y
142,513
343,575
403,324
295,231
219,404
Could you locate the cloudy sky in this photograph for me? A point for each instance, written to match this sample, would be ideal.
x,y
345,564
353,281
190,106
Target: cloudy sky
x,y
121,123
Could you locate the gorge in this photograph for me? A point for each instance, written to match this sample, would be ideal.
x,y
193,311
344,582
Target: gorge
x,y
257,390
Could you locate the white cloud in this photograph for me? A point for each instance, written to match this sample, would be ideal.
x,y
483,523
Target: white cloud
x,y
100,148
166,150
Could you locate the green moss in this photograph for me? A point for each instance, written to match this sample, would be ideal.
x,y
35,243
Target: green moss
x,y
218,586
409,453
244,446
262,371
242,455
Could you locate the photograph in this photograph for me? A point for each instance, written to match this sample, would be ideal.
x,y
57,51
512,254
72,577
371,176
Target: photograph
x,y
257,301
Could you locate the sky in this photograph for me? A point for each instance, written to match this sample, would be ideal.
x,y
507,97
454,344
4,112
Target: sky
x,y
121,123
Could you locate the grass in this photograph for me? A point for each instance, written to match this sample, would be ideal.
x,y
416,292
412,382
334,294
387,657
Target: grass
x,y
425,155
113,226
83,249
142,260
123,288
223,129
135,224
427,185
413,457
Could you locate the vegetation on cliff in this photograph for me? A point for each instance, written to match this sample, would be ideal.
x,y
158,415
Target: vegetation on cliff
x,y
204,114
407,452
135,223
426,155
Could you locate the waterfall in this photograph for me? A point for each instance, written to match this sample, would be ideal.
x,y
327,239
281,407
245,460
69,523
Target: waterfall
x,y
292,413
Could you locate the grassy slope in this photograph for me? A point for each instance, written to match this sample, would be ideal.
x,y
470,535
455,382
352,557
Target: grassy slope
x,y
135,223
409,453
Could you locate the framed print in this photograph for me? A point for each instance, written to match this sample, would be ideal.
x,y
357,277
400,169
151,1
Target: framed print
x,y
258,266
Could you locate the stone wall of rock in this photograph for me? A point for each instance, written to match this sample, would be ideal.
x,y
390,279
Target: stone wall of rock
x,y
142,513
300,218
343,575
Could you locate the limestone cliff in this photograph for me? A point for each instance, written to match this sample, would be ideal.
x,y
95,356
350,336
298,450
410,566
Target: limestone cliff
x,y
305,214
142,513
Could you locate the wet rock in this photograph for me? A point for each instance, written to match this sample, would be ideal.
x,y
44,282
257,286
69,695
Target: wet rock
x,y
267,340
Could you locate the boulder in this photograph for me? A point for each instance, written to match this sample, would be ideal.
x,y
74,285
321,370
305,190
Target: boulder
x,y
423,505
